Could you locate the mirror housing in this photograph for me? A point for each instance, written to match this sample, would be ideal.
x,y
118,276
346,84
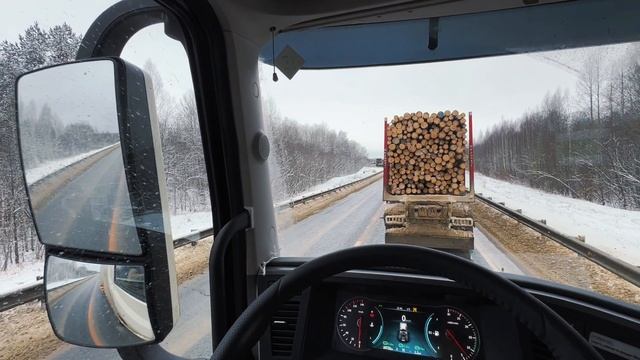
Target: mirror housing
x,y
91,154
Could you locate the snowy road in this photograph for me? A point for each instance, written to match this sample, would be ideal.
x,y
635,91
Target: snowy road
x,y
352,221
81,311
92,204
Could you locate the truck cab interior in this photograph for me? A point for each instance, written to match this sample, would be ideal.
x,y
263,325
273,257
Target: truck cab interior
x,y
363,302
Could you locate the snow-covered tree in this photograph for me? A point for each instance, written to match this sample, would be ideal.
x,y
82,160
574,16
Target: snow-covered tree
x,y
306,155
591,153
35,48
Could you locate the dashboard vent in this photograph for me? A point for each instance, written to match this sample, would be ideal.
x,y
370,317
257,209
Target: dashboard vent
x,y
283,328
539,350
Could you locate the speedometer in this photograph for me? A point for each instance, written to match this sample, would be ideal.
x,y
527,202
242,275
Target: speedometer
x,y
452,335
359,324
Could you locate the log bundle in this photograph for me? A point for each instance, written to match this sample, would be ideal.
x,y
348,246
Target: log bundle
x,y
425,153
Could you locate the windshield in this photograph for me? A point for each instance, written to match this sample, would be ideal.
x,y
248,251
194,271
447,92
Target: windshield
x,y
381,155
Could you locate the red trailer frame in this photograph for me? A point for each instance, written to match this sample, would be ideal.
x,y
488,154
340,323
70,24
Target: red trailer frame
x,y
385,171
472,167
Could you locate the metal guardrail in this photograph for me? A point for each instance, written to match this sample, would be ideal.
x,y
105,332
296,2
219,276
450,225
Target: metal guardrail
x,y
616,266
36,291
192,238
25,295
303,200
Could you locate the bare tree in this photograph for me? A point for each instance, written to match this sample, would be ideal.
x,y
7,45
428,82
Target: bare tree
x,y
36,47
590,154
307,155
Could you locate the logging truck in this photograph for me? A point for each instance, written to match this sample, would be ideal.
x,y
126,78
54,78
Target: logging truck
x,y
428,180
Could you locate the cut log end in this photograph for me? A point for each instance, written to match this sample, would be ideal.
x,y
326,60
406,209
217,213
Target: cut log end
x,y
426,153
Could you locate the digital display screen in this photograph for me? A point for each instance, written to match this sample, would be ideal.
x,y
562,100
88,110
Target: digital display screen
x,y
440,332
404,331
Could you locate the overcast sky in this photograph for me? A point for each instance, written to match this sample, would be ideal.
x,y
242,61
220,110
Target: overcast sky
x,y
353,100
80,93
358,100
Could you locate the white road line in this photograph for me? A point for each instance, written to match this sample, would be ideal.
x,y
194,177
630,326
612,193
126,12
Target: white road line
x,y
496,259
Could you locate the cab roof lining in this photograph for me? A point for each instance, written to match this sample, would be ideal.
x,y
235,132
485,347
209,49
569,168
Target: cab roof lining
x,y
289,15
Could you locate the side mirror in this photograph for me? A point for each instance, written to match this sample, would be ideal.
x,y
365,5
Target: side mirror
x,y
91,155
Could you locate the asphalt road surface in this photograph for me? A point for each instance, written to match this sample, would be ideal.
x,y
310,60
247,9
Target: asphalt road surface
x,y
94,208
80,311
352,221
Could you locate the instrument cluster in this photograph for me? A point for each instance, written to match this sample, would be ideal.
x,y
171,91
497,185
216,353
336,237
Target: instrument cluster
x,y
440,332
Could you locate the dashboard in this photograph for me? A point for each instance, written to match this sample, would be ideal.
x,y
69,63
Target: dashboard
x,y
388,314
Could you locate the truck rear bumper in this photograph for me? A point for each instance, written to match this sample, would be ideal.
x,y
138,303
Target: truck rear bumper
x,y
436,241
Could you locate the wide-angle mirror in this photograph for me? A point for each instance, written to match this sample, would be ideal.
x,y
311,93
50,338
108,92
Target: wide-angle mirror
x,y
97,305
85,191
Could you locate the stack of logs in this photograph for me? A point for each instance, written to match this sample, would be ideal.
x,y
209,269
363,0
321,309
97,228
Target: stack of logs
x,y
426,153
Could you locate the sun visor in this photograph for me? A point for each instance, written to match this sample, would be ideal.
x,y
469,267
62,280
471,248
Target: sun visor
x,y
521,30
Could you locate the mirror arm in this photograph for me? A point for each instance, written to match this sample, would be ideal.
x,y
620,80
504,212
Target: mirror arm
x,y
220,321
111,31
146,352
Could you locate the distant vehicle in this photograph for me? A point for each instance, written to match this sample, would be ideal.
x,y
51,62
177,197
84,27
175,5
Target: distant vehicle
x,y
427,199
379,162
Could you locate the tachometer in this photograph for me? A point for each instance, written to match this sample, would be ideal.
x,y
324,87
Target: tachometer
x,y
359,324
452,335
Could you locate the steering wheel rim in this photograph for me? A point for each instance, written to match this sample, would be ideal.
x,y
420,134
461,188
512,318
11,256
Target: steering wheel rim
x,y
564,342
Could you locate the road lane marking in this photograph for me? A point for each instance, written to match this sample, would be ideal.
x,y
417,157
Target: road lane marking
x,y
82,199
493,255
487,258
66,303
366,234
485,252
329,227
91,322
115,217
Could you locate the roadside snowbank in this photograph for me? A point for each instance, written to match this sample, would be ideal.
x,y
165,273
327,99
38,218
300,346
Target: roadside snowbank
x,y
22,275
184,225
334,183
50,167
612,230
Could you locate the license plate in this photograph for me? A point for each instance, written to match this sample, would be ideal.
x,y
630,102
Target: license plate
x,y
429,212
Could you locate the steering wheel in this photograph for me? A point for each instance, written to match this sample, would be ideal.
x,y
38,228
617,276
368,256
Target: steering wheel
x,y
562,340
